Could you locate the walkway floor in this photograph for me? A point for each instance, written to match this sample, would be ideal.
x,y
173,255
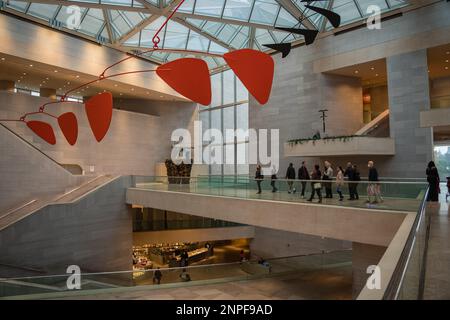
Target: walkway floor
x,y
437,278
398,204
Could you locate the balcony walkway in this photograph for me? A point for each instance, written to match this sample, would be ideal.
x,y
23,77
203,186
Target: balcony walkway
x,y
437,277
389,203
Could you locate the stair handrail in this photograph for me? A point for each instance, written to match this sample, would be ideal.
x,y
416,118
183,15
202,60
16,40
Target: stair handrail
x,y
34,147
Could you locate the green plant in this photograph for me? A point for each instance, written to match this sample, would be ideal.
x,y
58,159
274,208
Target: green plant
x,y
325,139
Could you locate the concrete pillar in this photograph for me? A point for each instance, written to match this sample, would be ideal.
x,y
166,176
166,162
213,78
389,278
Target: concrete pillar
x,y
408,90
363,255
7,85
48,93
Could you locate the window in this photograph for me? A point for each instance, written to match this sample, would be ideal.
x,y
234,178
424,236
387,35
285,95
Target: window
x,y
228,111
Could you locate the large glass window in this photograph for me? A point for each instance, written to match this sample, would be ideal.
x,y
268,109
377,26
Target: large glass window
x,y
228,111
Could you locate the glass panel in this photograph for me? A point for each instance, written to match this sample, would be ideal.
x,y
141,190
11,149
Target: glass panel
x,y
209,7
228,152
364,4
92,22
347,10
43,11
228,123
175,36
241,156
265,12
216,119
17,5
216,89
238,9
65,14
187,6
242,118
285,19
197,42
118,2
204,118
228,87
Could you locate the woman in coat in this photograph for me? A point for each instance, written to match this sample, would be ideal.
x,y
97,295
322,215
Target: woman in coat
x,y
433,182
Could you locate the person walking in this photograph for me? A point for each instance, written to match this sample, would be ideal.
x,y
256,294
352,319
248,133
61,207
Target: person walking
x,y
157,275
273,177
290,176
303,175
258,177
340,182
328,176
433,182
349,173
316,175
373,188
356,179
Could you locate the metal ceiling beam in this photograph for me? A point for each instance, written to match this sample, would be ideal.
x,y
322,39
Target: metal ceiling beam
x,y
296,13
144,23
149,9
108,25
203,33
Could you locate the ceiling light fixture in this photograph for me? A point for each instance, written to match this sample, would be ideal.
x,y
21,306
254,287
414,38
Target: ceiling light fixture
x,y
31,65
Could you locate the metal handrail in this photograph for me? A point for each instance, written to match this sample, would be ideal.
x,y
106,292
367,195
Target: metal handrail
x,y
393,288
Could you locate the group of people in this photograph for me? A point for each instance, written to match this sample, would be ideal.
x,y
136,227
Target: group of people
x,y
321,180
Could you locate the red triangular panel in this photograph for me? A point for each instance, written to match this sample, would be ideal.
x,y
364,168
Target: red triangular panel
x,y
254,69
69,127
43,130
99,113
189,77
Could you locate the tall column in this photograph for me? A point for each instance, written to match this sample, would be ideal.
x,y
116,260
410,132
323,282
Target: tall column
x,y
7,85
48,93
408,89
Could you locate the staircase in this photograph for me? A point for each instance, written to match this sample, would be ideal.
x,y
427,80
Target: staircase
x,y
378,127
28,208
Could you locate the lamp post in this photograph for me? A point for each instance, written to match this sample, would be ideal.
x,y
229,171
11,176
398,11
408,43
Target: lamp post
x,y
323,116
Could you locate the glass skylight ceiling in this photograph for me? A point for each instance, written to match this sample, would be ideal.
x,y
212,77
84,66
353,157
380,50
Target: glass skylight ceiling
x,y
211,26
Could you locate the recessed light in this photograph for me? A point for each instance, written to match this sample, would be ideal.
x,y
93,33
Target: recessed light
x,y
132,89
356,71
47,78
55,71
446,68
59,88
24,73
3,59
77,76
115,85
18,80
68,82
78,92
448,52
31,65
446,60
376,74
148,92
121,93
43,81
372,68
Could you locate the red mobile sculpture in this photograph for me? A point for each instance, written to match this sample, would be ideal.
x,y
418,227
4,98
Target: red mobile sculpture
x,y
187,76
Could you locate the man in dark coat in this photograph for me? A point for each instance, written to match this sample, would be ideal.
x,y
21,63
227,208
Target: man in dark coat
x,y
303,174
290,175
350,174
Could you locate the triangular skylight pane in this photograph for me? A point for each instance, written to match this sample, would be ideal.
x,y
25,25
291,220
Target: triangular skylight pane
x,y
238,9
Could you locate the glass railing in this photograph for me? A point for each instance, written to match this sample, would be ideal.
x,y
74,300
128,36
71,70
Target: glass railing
x,y
399,195
93,283
408,279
